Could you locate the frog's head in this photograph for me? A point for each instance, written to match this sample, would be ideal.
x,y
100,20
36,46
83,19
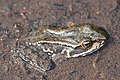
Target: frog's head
x,y
94,37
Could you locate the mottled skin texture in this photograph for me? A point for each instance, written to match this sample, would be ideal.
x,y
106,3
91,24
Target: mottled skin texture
x,y
85,38
32,57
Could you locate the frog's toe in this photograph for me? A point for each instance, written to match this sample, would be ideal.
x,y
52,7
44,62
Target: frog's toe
x,y
59,58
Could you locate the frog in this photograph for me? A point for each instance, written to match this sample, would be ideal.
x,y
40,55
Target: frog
x,y
46,45
70,41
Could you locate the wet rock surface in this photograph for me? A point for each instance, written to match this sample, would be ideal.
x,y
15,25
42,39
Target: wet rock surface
x,y
18,18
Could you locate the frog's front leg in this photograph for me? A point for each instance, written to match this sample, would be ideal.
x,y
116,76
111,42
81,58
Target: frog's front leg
x,y
62,56
67,51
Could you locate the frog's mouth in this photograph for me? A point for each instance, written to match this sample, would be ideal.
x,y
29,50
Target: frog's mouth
x,y
94,47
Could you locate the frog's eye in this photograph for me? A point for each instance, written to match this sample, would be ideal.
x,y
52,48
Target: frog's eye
x,y
86,43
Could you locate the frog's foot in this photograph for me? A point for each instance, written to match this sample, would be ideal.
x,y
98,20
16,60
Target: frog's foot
x,y
58,58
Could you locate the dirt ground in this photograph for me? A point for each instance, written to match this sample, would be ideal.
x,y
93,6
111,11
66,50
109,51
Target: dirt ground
x,y
102,65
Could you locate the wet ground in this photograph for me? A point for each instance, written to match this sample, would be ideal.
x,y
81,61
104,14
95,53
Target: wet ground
x,y
31,14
